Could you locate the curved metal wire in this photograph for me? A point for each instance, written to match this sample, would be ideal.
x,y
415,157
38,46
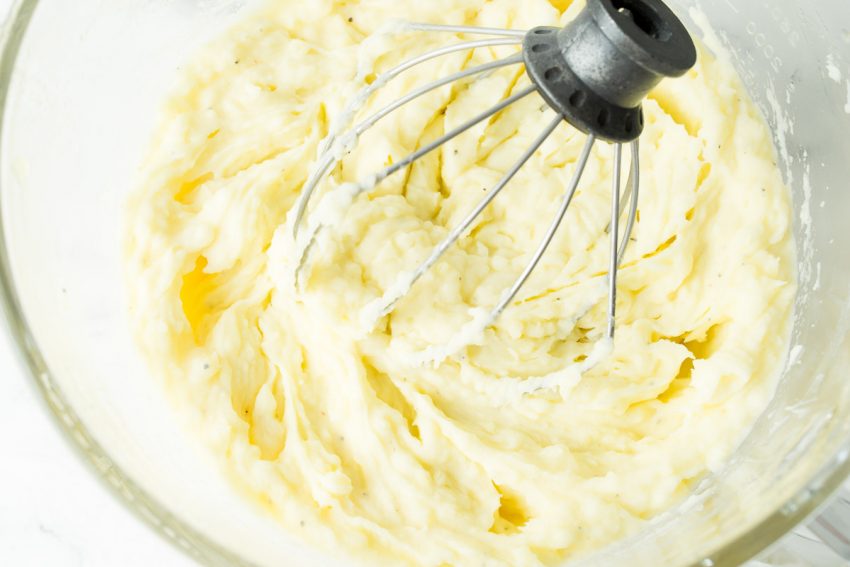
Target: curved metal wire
x,y
396,292
615,240
473,30
329,160
633,193
369,184
550,234
326,161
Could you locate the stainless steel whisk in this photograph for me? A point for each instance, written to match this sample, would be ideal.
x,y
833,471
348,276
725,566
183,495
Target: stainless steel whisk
x,y
595,74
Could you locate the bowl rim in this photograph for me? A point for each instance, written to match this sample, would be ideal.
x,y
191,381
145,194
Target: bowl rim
x,y
769,531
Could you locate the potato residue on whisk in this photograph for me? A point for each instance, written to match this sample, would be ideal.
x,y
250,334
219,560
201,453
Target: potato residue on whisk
x,y
334,428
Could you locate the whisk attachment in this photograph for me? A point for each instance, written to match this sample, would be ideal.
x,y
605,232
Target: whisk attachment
x,y
597,70
594,73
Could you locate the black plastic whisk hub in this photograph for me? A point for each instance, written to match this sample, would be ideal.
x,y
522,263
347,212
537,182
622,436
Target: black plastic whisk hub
x,y
597,70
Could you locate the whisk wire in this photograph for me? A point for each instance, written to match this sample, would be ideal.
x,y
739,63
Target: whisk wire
x,y
327,160
634,195
361,128
367,185
409,64
472,30
454,133
387,303
615,239
511,294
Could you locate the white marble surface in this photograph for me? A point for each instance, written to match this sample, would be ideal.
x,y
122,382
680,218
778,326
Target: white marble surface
x,y
53,510
55,513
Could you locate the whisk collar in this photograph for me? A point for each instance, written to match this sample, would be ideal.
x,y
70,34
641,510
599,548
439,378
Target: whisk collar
x,y
597,70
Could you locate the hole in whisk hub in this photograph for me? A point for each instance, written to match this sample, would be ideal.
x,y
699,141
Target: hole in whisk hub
x,y
645,17
604,118
553,73
540,47
577,98
544,31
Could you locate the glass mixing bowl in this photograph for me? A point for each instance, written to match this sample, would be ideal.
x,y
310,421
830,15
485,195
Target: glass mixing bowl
x,y
81,82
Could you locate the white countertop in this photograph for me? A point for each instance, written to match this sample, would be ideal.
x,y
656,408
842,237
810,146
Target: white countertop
x,y
54,512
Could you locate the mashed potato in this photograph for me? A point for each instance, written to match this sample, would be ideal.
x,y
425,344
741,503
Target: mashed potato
x,y
333,427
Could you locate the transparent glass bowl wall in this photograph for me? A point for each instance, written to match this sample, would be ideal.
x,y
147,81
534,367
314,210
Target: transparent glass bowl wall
x,y
81,85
